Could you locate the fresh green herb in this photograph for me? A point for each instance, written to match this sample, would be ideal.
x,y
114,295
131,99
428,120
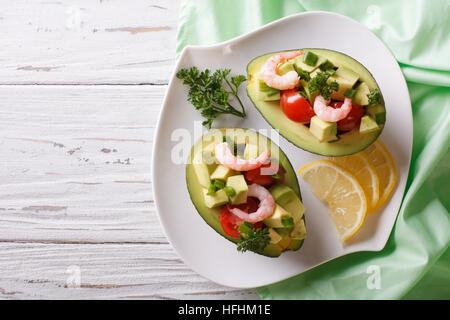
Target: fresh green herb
x,y
219,184
276,176
303,74
212,189
255,240
208,93
374,97
349,93
230,191
287,222
326,65
310,58
245,228
320,84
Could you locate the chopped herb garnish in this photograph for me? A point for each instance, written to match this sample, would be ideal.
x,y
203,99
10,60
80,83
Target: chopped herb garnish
x,y
320,84
302,92
219,184
230,191
276,176
326,65
287,222
212,189
303,74
208,93
349,93
255,240
374,97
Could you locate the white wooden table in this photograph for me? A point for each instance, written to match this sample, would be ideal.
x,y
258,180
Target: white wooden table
x,y
81,84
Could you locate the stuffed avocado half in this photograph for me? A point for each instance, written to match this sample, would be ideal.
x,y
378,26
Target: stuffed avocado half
x,y
294,111
238,203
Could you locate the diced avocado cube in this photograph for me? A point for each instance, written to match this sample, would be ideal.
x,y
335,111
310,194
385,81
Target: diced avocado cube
x,y
301,65
310,58
264,92
368,124
217,199
378,112
299,231
285,243
361,94
348,74
322,130
240,187
201,171
284,232
334,139
251,151
274,236
296,208
344,85
285,67
275,220
282,194
222,173
311,96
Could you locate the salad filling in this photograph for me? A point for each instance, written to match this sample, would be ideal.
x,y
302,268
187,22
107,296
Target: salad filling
x,y
250,189
321,100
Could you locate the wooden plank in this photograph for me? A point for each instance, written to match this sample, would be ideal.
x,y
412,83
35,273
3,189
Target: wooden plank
x,y
87,42
102,271
76,163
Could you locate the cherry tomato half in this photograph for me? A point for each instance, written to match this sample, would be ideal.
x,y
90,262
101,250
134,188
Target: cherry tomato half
x,y
230,223
295,106
352,120
272,173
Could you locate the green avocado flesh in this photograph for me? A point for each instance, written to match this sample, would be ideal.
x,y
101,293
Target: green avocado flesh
x,y
299,134
211,215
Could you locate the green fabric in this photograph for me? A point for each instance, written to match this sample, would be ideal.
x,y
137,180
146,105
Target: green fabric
x,y
415,264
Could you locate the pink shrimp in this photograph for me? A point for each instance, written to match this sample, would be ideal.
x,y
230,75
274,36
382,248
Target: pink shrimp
x,y
268,72
330,114
225,157
265,208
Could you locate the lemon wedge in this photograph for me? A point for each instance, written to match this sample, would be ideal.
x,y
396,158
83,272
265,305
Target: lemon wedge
x,y
341,191
359,165
381,161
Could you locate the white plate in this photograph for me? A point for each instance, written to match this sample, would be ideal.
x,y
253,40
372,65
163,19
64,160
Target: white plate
x,y
199,245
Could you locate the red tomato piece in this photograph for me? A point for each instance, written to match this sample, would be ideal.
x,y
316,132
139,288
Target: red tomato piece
x,y
264,178
230,223
296,107
352,120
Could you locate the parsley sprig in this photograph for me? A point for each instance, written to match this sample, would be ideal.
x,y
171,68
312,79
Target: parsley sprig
x,y
255,240
320,84
209,94
374,97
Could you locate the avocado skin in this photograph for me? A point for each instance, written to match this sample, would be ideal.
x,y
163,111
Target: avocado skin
x,y
211,216
298,134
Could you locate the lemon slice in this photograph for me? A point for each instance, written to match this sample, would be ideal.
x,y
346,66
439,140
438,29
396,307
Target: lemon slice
x,y
359,165
341,191
382,162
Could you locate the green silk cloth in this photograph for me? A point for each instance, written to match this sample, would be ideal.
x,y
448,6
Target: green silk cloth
x,y
415,263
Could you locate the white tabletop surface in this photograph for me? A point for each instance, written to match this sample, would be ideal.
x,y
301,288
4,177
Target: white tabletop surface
x,y
81,86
